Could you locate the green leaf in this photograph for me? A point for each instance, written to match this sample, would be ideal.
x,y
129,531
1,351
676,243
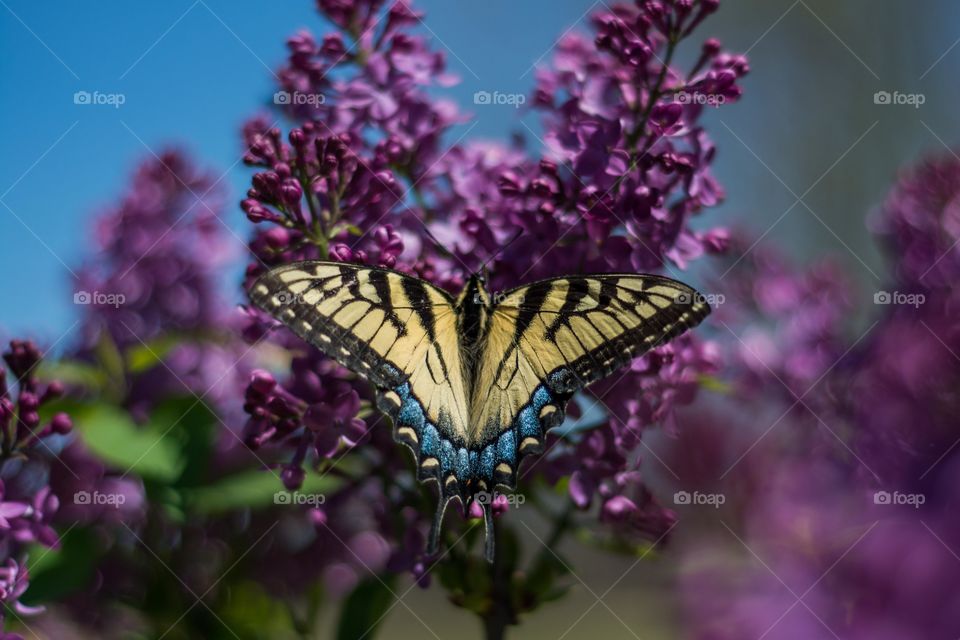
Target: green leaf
x,y
365,608
713,383
143,357
193,425
113,436
253,489
109,357
251,612
57,573
74,372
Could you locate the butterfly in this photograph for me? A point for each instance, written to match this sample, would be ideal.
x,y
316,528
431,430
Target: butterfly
x,y
473,382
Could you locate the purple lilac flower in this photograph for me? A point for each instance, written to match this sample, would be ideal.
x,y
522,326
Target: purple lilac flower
x,y
155,274
905,390
27,503
861,524
364,178
787,327
863,570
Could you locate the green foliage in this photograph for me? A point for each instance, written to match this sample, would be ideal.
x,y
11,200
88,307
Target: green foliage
x,y
57,573
501,592
252,489
250,612
365,608
149,451
145,356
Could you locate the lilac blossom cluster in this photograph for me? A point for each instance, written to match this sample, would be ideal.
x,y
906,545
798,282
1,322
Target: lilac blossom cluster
x,y
27,503
159,253
850,503
364,177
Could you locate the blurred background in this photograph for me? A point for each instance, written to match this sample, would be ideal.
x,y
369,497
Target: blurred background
x,y
805,156
190,72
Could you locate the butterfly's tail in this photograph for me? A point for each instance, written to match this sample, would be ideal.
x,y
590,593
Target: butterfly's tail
x,y
433,542
490,546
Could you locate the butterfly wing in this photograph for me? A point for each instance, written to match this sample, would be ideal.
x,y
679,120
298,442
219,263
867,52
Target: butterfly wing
x,y
395,330
550,339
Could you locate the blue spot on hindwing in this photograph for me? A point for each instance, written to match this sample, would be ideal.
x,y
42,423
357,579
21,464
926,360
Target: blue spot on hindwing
x,y
411,413
507,448
528,423
540,397
447,457
528,420
429,440
487,459
474,463
463,465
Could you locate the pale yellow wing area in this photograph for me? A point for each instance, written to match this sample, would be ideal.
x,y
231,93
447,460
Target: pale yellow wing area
x,y
391,328
549,339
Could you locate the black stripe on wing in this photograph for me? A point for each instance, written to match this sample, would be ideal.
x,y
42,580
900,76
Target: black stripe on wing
x,y
615,303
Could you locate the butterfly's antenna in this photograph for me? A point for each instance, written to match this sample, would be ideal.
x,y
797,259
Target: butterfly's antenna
x,y
433,542
483,267
490,547
440,247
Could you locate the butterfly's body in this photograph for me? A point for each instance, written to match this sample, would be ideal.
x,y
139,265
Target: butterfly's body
x,y
473,383
473,307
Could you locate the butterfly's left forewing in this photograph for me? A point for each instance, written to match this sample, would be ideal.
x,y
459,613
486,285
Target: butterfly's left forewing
x,y
552,338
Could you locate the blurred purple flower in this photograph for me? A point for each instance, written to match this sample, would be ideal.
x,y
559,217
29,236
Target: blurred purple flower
x,y
27,503
856,533
155,274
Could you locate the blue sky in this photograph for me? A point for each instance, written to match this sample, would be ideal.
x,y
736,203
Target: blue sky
x,y
192,71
